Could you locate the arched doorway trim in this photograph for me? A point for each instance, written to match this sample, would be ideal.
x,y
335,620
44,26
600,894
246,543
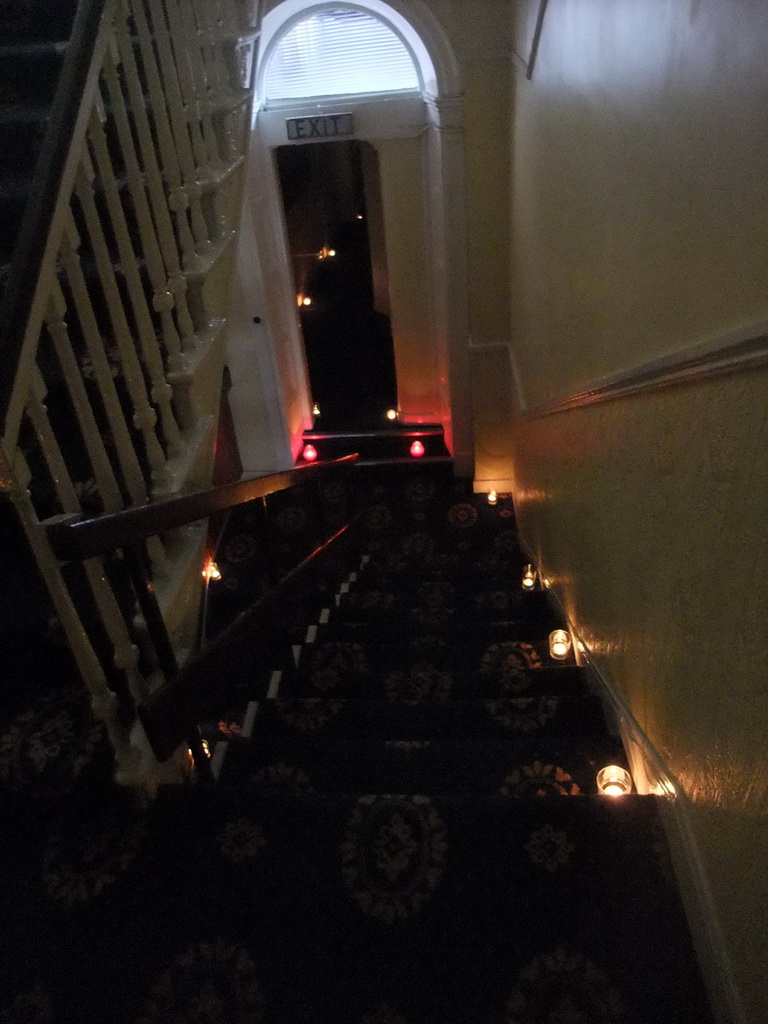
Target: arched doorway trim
x,y
444,227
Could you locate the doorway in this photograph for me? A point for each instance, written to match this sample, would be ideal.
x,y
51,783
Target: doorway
x,y
331,195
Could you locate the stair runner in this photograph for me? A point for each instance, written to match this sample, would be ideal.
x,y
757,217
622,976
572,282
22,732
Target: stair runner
x,y
405,830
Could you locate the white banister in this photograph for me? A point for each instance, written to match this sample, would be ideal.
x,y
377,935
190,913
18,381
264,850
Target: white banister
x,y
126,453
144,416
161,391
106,481
125,336
160,203
178,200
185,128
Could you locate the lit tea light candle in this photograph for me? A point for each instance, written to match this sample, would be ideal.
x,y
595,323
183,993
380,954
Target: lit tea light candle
x,y
559,644
614,781
529,577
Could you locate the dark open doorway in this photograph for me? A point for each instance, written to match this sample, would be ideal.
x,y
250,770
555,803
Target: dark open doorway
x,y
332,201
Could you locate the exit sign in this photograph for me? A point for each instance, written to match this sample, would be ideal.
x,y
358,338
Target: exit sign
x,y
324,126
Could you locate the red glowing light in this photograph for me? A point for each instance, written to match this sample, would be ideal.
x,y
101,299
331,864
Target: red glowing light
x,y
417,449
309,453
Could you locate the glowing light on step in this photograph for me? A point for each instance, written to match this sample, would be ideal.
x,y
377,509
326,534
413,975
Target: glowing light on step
x,y
392,414
331,252
614,781
309,453
315,409
306,301
559,644
211,572
492,497
529,577
417,449
359,216
206,748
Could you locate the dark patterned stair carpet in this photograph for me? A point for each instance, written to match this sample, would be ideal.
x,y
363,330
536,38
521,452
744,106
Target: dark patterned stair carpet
x,y
409,834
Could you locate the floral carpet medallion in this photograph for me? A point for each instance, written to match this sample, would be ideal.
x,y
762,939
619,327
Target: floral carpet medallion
x,y
549,847
435,604
242,840
83,858
539,779
564,988
421,681
313,714
508,661
420,490
239,549
210,983
462,516
291,520
524,714
393,855
334,663
418,547
334,492
47,746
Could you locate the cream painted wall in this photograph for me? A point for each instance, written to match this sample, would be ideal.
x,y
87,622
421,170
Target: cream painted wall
x,y
486,113
640,220
640,225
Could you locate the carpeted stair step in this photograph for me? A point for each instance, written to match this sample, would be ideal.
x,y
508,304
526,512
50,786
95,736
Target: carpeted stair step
x,y
441,602
456,719
472,572
350,672
443,909
492,650
391,547
516,765
471,635
468,579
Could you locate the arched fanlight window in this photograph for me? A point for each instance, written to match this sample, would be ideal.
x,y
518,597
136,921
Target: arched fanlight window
x,y
339,51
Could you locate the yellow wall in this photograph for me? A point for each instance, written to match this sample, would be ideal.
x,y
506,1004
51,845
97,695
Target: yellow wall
x,y
640,226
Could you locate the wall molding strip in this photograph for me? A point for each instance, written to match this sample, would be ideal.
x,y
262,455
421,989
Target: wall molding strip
x,y
741,349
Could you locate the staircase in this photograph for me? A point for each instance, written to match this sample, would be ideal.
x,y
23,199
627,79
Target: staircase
x,y
405,829
123,127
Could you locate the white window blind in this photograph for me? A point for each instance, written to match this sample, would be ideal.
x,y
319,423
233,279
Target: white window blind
x,y
339,51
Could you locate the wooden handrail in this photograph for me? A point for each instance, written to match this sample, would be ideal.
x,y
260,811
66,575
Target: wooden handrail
x,y
75,539
26,261
169,714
